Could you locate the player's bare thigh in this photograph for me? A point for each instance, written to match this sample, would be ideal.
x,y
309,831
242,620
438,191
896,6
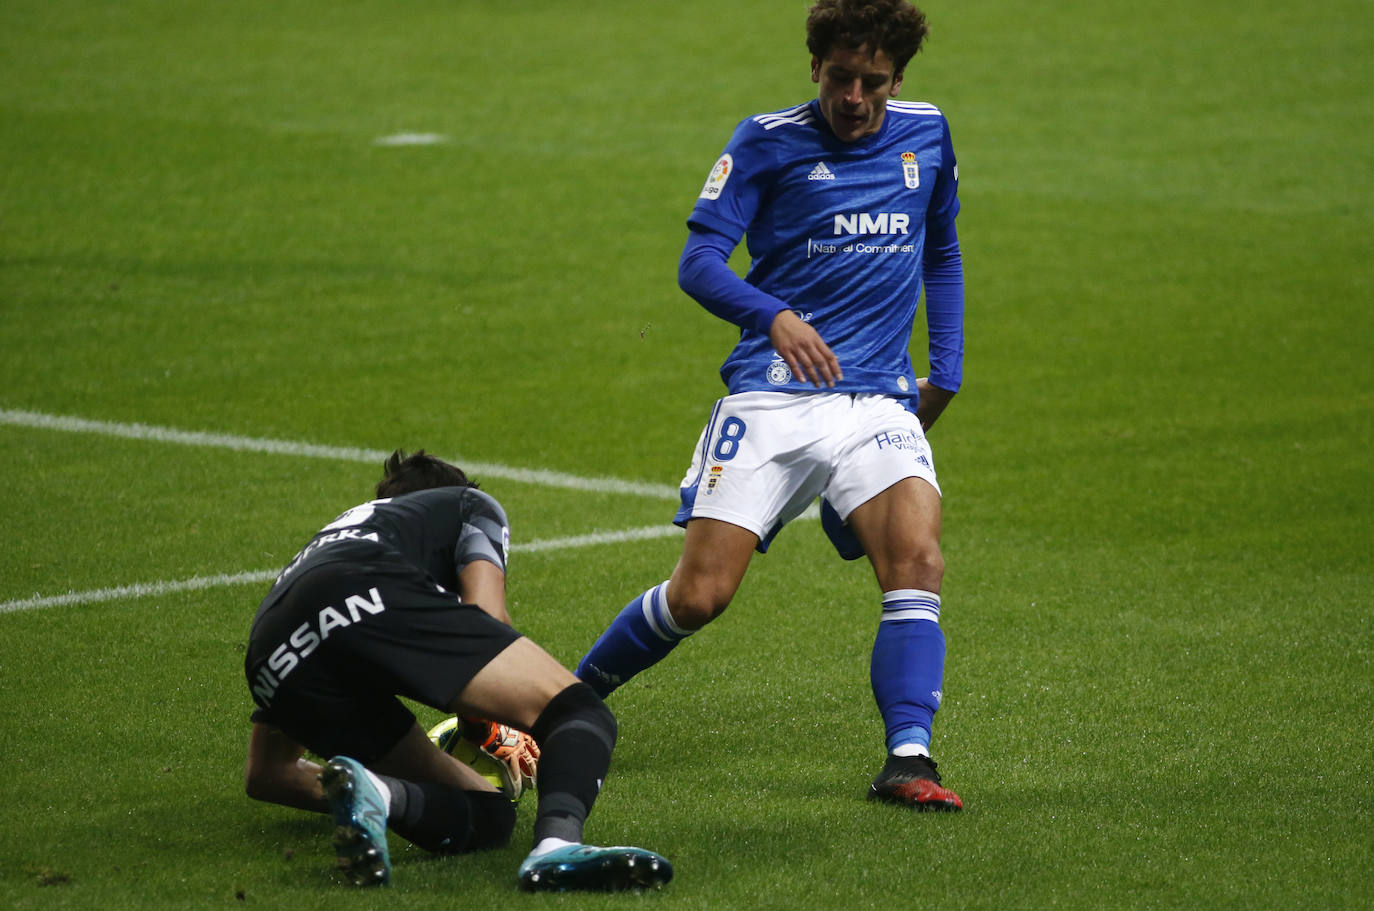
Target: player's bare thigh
x,y
900,531
416,758
515,686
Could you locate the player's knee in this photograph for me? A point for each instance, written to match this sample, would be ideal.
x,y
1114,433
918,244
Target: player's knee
x,y
921,567
576,709
261,781
931,564
696,602
253,783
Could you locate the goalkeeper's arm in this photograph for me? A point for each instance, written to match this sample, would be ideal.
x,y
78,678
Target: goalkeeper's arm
x,y
484,584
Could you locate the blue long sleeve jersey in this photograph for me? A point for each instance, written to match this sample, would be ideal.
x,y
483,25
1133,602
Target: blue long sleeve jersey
x,y
842,233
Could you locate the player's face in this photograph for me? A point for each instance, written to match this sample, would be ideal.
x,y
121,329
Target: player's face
x,y
854,88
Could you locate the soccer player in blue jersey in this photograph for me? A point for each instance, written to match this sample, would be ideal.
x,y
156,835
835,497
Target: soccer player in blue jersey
x,y
848,205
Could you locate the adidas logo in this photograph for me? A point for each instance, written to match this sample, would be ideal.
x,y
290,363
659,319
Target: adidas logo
x,y
821,172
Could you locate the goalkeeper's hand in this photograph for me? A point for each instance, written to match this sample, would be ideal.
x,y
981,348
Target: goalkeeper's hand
x,y
513,748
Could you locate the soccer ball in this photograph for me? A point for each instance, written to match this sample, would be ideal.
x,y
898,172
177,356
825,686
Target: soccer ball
x,y
447,735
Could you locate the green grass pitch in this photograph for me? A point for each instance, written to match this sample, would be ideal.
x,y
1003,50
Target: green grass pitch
x,y
1158,513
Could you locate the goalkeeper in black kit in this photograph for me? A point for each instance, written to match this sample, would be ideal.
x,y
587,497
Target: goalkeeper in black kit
x,y
404,596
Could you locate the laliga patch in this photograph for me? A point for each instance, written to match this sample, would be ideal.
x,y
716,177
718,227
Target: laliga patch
x,y
911,171
719,175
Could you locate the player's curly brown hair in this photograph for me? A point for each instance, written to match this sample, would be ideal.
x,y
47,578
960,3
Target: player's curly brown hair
x,y
419,471
893,26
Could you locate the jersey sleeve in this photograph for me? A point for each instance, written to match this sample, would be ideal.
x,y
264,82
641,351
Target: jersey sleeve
x,y
722,214
943,275
704,273
736,184
485,534
944,201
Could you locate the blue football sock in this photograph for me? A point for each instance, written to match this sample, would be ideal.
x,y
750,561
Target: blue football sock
x,y
642,634
908,666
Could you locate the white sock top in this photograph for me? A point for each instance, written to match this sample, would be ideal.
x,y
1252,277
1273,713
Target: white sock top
x,y
381,786
549,844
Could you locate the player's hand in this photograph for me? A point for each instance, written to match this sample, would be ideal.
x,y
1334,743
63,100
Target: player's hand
x,y
932,402
505,744
804,351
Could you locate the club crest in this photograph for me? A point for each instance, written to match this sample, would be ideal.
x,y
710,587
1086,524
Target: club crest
x,y
911,171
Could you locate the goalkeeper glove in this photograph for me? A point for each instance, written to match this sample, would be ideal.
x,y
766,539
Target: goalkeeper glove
x,y
513,748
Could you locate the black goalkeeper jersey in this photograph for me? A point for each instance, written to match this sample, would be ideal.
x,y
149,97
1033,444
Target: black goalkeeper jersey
x,y
440,531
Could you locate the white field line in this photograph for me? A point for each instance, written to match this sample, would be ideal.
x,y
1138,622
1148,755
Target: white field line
x,y
479,470
310,450
411,139
197,583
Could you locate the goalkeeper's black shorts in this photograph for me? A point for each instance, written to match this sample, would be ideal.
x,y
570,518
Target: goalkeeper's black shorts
x,y
330,652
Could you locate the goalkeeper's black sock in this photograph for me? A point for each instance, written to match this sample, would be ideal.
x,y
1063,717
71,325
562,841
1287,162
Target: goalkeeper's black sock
x,y
576,734
448,820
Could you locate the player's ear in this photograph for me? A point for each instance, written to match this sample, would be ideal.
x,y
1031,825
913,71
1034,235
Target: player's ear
x,y
815,68
896,84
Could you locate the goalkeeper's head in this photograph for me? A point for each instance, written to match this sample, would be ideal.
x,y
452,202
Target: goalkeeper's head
x,y
403,473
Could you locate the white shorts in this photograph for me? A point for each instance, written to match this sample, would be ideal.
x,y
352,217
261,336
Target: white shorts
x,y
764,457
